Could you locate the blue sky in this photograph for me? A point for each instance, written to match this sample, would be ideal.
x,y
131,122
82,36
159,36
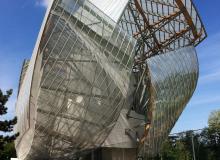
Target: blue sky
x,y
20,24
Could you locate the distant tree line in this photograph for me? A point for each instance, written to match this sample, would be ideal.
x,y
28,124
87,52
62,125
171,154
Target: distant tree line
x,y
202,144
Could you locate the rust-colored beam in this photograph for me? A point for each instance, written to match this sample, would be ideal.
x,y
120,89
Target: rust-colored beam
x,y
163,3
170,17
164,30
158,15
188,18
165,43
163,20
146,22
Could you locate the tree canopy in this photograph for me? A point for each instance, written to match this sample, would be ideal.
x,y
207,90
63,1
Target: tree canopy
x,y
7,149
206,143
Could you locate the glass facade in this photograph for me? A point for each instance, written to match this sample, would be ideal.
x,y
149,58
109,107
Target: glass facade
x,y
94,64
81,77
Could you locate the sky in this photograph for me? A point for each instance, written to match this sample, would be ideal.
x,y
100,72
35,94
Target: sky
x,y
20,22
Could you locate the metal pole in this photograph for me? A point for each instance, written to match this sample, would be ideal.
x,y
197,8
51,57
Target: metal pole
x,y
194,156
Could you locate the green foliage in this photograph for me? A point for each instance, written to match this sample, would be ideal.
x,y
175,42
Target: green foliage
x,y
4,100
7,125
206,143
7,149
176,149
214,120
8,152
212,134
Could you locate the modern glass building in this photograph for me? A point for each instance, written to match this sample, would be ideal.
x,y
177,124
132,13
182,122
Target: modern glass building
x,y
107,79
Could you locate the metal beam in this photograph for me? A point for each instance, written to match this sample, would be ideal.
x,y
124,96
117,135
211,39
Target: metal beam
x,y
74,92
65,116
71,60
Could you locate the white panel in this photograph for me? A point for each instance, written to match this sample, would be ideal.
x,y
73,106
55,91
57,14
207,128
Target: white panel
x,y
112,8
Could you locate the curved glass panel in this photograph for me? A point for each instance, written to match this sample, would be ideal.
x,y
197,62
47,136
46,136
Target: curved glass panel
x,y
173,78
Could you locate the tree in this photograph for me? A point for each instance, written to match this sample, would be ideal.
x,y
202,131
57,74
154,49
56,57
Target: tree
x,y
176,148
212,134
214,120
206,143
7,149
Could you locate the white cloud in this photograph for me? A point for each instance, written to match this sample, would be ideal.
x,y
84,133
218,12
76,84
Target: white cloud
x,y
209,78
43,3
205,99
